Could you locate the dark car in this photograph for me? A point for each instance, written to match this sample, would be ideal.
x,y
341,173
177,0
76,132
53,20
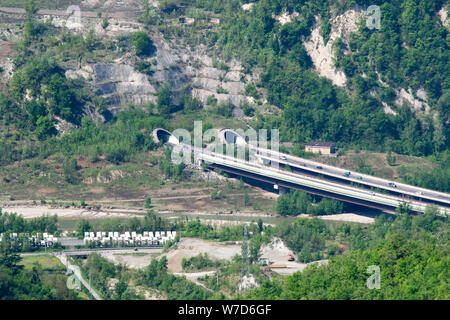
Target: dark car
x,y
319,167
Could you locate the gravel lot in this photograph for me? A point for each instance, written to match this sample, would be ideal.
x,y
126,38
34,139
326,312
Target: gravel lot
x,y
277,253
189,247
30,212
186,248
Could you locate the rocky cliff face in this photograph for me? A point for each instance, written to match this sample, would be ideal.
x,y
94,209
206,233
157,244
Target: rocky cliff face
x,y
322,54
183,67
119,84
6,64
207,79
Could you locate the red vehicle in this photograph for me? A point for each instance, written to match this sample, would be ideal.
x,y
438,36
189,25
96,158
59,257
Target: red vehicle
x,y
291,257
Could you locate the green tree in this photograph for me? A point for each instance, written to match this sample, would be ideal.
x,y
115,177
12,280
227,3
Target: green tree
x,y
83,226
120,289
31,9
282,206
390,159
148,202
260,225
45,128
90,40
70,167
255,248
164,99
142,43
246,198
162,265
8,258
105,21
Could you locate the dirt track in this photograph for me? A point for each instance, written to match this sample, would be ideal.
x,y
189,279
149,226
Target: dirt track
x,y
186,248
83,14
29,212
277,253
189,247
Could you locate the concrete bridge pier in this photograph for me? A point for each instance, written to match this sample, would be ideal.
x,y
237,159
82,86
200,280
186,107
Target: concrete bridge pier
x,y
281,190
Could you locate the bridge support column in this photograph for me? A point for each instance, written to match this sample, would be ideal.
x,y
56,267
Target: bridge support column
x,y
281,190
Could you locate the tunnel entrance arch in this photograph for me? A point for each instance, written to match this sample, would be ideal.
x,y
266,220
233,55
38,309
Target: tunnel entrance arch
x,y
164,136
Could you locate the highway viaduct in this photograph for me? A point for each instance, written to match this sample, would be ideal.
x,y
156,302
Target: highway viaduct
x,y
319,179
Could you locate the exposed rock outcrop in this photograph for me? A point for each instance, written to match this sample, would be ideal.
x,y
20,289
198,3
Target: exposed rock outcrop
x,y
285,17
443,16
185,68
321,54
416,104
120,84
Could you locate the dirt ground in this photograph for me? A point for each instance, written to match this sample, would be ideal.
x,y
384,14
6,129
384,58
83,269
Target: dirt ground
x,y
345,217
186,248
217,223
29,212
277,253
189,247
377,162
348,217
137,260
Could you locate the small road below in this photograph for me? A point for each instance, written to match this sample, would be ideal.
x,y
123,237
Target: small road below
x,y
83,14
76,270
84,252
62,256
193,276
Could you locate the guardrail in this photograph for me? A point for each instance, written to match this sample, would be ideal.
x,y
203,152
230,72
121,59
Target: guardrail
x,y
309,182
267,154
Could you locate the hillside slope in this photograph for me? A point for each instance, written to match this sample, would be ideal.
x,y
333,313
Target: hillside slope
x,y
311,69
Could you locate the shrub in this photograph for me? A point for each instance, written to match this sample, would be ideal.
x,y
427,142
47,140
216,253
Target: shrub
x,y
142,43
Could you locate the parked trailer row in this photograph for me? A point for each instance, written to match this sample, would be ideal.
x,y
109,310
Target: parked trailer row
x,y
129,238
38,240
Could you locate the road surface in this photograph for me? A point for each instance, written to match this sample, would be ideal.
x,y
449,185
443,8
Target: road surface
x,y
62,256
368,180
274,174
76,270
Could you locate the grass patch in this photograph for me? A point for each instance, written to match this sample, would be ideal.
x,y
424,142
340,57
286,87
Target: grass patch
x,y
46,261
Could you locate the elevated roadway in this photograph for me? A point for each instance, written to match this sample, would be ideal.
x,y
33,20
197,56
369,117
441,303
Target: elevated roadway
x,y
404,190
322,187
355,188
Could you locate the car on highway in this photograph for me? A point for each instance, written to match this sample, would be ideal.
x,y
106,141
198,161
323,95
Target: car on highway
x,y
347,173
359,177
392,184
419,192
319,167
283,158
